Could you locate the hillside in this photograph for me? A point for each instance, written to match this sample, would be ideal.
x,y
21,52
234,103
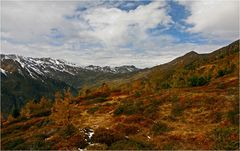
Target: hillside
x,y
26,78
190,103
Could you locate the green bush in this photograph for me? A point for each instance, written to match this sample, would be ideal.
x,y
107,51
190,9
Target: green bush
x,y
225,71
137,94
138,107
221,73
169,146
15,113
40,145
198,81
165,86
129,108
233,116
95,100
190,66
13,143
43,123
92,110
159,128
119,110
226,138
41,136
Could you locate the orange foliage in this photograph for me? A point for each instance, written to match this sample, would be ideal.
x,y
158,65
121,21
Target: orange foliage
x,y
63,109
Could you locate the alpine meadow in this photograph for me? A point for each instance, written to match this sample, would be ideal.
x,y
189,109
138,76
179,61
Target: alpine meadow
x,y
120,75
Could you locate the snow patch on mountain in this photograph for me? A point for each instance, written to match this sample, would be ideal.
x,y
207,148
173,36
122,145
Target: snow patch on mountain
x,y
121,69
45,66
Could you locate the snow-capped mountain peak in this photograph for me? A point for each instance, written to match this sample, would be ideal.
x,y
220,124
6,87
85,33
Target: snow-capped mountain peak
x,y
36,67
120,69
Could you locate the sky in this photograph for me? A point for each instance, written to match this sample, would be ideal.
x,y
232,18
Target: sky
x,y
141,33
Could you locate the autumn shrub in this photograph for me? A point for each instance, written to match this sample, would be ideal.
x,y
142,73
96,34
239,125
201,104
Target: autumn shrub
x,y
99,99
218,117
68,130
126,129
43,123
97,146
10,145
169,146
106,136
39,142
134,119
41,114
97,95
220,86
150,111
159,128
40,136
16,120
40,145
226,138
78,141
20,127
130,145
129,108
173,98
33,109
177,109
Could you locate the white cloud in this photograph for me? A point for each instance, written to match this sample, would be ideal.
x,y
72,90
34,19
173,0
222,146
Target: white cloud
x,y
217,19
104,57
114,27
26,21
102,34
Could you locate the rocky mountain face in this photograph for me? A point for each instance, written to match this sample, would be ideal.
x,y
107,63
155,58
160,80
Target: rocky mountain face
x,y
30,78
37,67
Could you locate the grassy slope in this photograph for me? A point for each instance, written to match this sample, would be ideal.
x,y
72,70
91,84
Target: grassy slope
x,y
203,117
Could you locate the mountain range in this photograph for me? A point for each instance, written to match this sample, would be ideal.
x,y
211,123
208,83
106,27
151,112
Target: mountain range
x,y
25,78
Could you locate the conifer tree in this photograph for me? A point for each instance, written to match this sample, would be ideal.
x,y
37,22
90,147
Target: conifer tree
x,y
63,109
15,112
28,109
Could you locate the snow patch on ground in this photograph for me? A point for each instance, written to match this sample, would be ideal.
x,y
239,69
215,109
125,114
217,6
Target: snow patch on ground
x,y
3,71
89,133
